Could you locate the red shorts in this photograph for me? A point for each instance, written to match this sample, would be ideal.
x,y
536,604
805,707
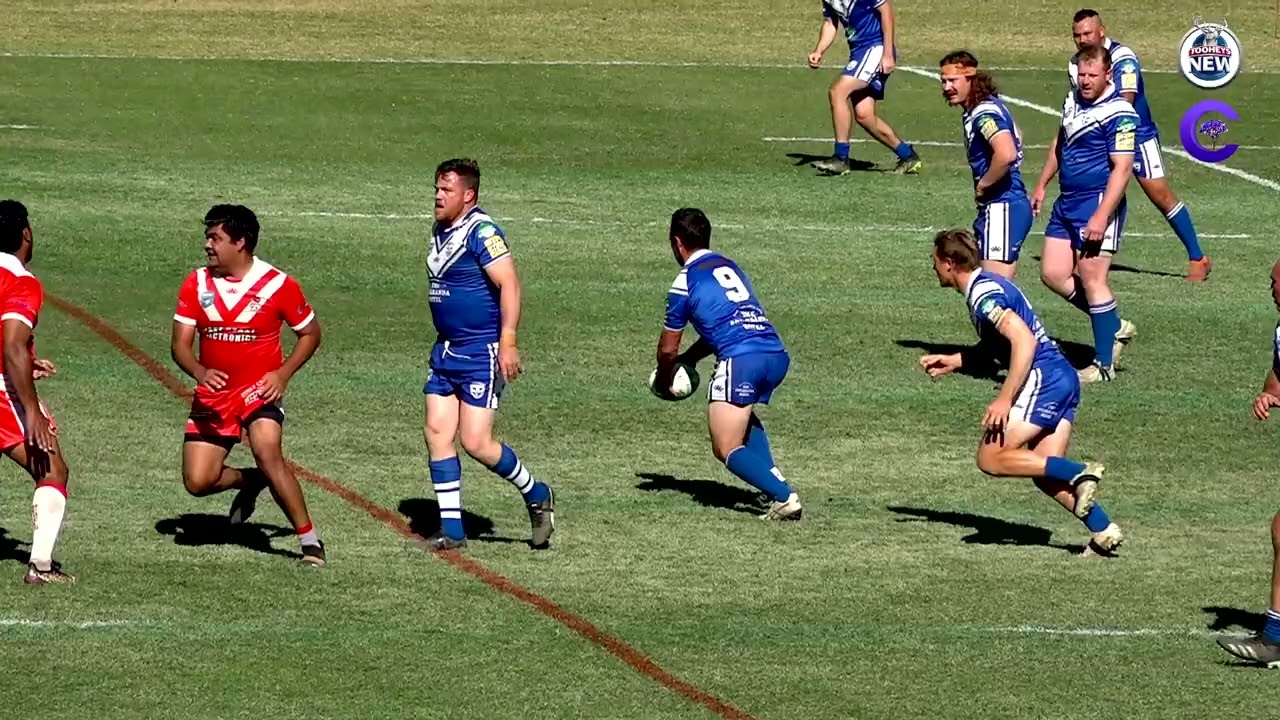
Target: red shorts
x,y
13,430
225,414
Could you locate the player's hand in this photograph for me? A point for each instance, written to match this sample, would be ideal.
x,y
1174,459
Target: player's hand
x,y
996,420
509,361
40,441
978,192
272,386
214,379
41,369
939,365
1263,404
1095,229
815,60
1037,200
887,64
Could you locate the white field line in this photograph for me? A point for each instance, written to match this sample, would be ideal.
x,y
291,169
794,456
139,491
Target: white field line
x,y
1110,632
1269,184
19,127
798,65
894,229
946,143
78,625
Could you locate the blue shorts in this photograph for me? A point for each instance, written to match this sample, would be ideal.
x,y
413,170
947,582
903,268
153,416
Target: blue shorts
x,y
1001,228
1071,214
864,65
748,379
1148,163
469,371
1049,396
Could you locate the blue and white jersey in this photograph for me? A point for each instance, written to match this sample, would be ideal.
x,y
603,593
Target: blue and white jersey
x,y
715,295
990,297
464,302
1089,135
983,122
1126,76
1275,353
860,20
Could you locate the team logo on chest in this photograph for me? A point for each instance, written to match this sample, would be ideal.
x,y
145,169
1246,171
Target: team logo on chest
x,y
255,304
206,299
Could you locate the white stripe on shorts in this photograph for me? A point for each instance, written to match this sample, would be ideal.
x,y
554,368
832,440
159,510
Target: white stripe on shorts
x,y
868,65
1027,397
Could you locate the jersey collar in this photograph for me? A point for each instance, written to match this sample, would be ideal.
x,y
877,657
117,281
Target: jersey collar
x,y
696,255
462,219
973,279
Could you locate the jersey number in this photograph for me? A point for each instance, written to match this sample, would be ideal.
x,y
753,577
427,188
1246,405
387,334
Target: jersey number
x,y
732,284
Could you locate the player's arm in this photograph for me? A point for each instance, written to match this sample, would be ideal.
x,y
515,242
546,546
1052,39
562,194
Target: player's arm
x,y
1270,395
696,352
826,36
1046,175
1004,153
182,349
1022,353
677,316
888,27
1125,76
18,370
1121,148
309,337
502,273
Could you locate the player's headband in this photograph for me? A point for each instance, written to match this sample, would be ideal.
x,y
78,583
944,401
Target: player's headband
x,y
957,69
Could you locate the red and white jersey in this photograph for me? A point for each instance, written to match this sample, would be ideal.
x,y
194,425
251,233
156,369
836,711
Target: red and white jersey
x,y
239,320
21,296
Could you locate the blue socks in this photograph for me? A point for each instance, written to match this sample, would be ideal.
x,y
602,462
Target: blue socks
x,y
1097,519
753,463
842,150
1062,469
1271,631
1180,220
446,478
903,151
1106,323
513,471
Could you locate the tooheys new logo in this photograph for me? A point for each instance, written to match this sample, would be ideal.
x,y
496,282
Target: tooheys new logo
x,y
1210,54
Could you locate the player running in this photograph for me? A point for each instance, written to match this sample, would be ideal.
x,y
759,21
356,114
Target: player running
x,y
1148,166
1093,150
993,142
870,29
713,293
236,304
474,296
1027,428
28,432
1265,647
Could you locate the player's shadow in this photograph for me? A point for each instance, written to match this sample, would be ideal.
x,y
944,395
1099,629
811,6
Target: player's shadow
x,y
197,529
1225,618
11,548
854,165
977,366
1118,267
987,530
423,516
707,493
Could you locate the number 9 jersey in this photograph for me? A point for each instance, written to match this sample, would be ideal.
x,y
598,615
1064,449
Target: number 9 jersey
x,y
715,295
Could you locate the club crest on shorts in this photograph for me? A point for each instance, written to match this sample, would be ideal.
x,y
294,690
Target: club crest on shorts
x,y
206,299
477,390
1210,55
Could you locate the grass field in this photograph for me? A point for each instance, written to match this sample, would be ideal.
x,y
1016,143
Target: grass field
x,y
915,587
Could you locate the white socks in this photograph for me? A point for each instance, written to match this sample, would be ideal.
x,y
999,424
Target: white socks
x,y
47,507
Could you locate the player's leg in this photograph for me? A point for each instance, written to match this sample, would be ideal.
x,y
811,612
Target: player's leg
x,y
213,428
440,430
475,430
1150,172
1058,259
48,503
1110,333
841,123
1263,648
864,111
1106,535
738,437
266,441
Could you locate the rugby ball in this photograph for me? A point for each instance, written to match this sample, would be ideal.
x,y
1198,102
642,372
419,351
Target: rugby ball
x,y
683,384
